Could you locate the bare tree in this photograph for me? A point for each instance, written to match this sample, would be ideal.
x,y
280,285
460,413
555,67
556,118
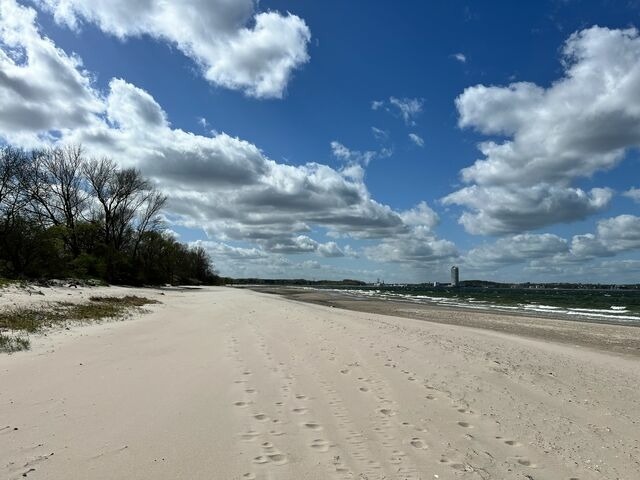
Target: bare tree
x,y
128,203
148,218
202,265
12,161
56,190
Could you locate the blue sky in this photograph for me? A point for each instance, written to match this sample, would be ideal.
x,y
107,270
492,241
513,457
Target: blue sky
x,y
353,139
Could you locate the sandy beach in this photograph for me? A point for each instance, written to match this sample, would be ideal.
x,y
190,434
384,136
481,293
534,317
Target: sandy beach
x,y
223,383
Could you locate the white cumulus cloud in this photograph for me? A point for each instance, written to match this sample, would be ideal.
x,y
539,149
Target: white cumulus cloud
x,y
550,253
417,248
234,46
42,88
633,194
583,123
513,209
516,249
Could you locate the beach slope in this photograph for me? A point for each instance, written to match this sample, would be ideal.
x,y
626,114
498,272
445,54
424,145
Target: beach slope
x,y
222,383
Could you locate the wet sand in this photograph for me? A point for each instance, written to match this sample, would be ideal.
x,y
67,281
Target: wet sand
x,y
623,339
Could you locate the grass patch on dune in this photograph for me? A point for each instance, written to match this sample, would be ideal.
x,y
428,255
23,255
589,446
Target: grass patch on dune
x,y
21,321
127,301
12,343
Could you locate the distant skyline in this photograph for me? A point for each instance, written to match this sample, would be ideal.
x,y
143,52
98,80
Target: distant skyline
x,y
360,140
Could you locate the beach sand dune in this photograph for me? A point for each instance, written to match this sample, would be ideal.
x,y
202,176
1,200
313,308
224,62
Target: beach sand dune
x,y
223,383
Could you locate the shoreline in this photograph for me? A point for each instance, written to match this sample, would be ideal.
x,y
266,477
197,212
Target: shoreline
x,y
614,338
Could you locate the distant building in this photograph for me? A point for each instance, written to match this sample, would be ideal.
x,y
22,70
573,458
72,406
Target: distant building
x,y
455,276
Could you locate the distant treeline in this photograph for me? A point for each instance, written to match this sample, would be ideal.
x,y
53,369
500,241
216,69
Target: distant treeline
x,y
64,215
295,281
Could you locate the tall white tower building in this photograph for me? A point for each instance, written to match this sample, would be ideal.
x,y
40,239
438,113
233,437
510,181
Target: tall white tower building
x,y
455,276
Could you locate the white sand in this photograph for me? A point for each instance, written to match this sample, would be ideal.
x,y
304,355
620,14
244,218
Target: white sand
x,y
232,384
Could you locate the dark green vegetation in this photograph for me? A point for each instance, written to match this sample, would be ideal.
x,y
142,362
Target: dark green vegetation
x,y
66,216
19,322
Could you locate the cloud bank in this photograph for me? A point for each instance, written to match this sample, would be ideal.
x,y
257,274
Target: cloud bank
x,y
613,236
583,123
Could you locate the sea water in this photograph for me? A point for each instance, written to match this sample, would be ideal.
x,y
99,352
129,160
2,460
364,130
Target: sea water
x,y
603,306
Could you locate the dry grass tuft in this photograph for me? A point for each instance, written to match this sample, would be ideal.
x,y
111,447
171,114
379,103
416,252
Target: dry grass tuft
x,y
27,320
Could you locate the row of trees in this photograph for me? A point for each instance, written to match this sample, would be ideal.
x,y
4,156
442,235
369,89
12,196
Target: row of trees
x,y
65,215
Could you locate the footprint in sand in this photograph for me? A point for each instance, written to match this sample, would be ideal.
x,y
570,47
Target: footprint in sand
x,y
364,389
301,397
525,462
249,476
312,426
320,445
344,371
465,425
387,411
240,404
277,458
249,436
512,443
261,417
461,467
299,411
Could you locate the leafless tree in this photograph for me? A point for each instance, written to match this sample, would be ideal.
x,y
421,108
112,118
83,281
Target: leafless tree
x,y
11,200
128,204
7,174
148,217
55,186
